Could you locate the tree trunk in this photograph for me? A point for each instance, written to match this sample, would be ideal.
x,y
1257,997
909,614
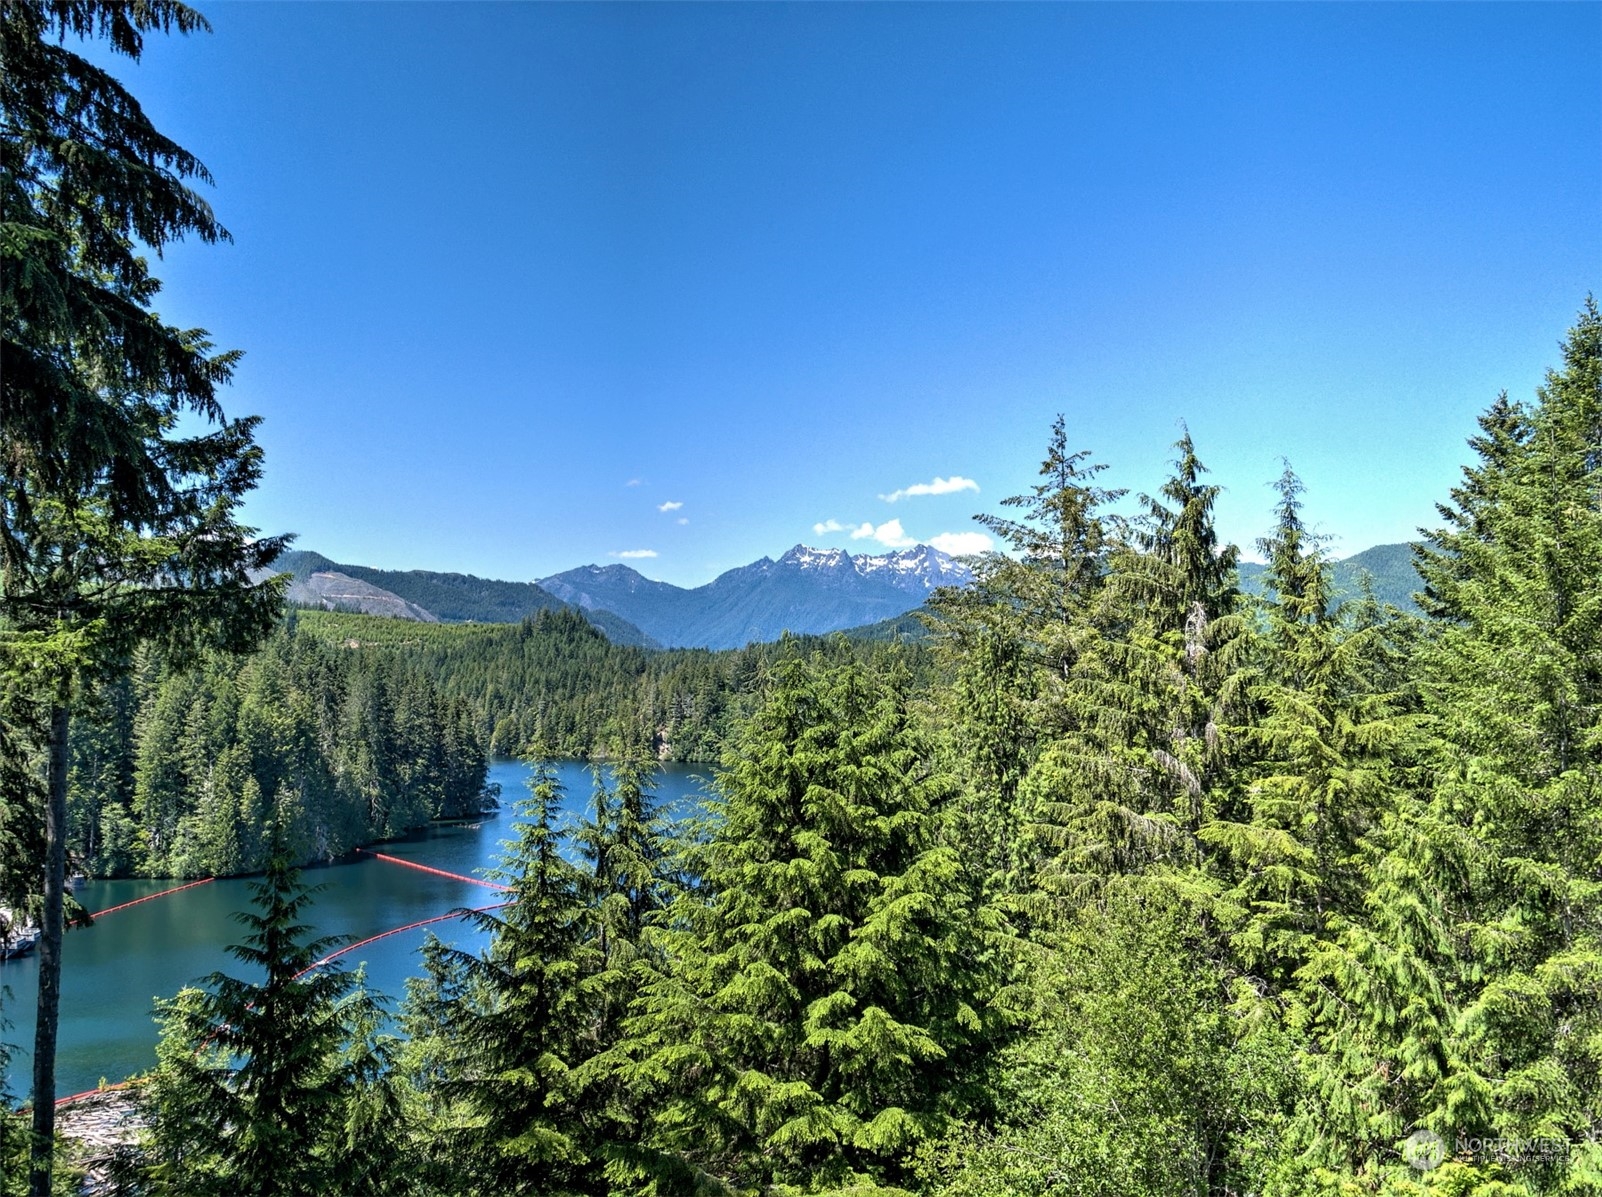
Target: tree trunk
x,y
50,933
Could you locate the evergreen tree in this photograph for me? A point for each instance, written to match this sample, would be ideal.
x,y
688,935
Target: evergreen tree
x,y
826,1007
115,525
434,1050
624,842
1140,1077
1136,755
1514,681
1012,640
627,845
274,1086
525,1020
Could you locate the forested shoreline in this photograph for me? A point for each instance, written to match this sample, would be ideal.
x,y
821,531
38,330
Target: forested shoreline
x,y
556,682
177,772
348,730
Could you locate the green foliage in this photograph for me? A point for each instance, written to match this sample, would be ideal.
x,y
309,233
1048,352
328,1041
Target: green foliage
x,y
185,768
1514,681
826,1003
1010,641
514,1022
276,1086
115,526
120,474
1135,727
556,682
1144,1073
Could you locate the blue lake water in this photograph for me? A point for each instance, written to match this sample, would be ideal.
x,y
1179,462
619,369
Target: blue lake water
x,y
112,972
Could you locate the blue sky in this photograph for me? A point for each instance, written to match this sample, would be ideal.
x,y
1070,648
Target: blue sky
x,y
512,278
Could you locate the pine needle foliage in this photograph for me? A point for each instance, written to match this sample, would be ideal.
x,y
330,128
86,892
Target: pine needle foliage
x,y
627,844
120,474
1137,752
1010,642
1514,681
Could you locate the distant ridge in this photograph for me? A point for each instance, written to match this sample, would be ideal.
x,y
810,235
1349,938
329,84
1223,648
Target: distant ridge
x,y
336,591
808,591
431,597
1389,567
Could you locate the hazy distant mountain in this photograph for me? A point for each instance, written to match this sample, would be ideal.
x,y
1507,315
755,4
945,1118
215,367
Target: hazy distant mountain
x,y
1389,566
422,594
806,590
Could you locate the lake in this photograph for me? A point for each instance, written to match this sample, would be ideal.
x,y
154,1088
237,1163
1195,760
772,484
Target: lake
x,y
113,971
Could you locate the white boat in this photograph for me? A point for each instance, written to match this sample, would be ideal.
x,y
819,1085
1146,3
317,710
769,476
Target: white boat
x,y
19,946
16,938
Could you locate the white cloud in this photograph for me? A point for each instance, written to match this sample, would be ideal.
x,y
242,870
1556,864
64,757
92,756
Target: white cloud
x,y
961,544
828,526
890,534
632,554
632,482
670,505
940,486
683,519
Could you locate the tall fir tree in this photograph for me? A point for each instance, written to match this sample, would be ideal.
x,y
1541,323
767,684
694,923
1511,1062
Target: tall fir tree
x,y
1136,750
628,847
524,1021
1011,640
278,1085
120,476
1514,682
827,1003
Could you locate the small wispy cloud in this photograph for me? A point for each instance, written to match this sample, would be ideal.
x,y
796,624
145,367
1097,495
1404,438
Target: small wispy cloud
x,y
670,505
683,519
890,534
827,527
632,482
940,486
962,544
633,554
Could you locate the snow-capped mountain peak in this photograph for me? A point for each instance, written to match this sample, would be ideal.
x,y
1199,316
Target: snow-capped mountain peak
x,y
807,557
918,569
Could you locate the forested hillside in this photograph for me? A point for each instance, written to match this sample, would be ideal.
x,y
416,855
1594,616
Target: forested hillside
x,y
457,597
1387,570
558,682
179,772
355,728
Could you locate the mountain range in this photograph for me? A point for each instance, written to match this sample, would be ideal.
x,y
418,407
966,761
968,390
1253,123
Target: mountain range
x,y
807,590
